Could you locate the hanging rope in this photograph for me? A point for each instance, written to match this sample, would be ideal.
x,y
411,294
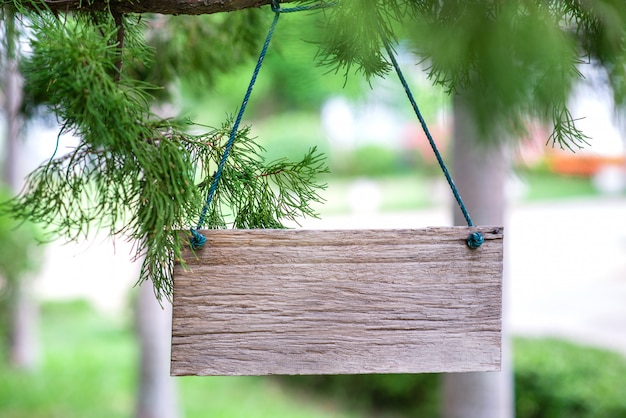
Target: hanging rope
x,y
475,239
197,239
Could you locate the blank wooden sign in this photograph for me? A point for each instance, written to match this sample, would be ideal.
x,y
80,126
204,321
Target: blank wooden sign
x,y
258,302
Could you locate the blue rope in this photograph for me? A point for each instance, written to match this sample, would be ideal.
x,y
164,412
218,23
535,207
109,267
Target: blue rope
x,y
198,240
475,239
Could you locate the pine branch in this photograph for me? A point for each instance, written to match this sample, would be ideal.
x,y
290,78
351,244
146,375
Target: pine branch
x,y
134,174
261,195
565,133
353,40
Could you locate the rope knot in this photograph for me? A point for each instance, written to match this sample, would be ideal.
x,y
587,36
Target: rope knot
x,y
197,240
475,240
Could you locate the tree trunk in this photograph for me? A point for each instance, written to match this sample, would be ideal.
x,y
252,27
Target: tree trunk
x,y
23,327
23,350
479,174
157,391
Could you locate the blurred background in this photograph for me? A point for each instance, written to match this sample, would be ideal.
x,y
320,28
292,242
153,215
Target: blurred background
x,y
565,245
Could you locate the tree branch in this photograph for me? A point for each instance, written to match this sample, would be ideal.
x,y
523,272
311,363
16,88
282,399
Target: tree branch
x,y
167,7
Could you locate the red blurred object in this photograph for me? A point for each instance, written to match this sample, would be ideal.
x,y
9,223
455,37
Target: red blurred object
x,y
586,165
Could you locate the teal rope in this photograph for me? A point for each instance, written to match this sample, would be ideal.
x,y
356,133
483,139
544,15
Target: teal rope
x,y
198,240
277,9
475,239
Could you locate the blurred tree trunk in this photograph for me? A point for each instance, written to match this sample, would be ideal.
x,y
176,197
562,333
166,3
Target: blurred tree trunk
x,y
157,391
23,312
479,172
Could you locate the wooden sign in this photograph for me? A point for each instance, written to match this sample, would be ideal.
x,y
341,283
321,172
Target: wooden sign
x,y
259,302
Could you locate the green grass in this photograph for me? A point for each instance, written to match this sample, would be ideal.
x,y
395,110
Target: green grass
x,y
543,185
556,378
89,370
258,397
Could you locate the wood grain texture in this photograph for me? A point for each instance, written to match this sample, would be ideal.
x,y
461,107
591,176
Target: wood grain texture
x,y
258,302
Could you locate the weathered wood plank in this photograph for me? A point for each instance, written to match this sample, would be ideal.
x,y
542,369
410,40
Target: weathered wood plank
x,y
256,302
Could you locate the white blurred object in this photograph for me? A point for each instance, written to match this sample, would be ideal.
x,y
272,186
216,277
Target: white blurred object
x,y
610,180
516,188
364,196
338,122
593,108
99,270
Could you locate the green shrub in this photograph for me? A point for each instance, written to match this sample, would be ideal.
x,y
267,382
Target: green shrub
x,y
556,379
383,394
375,160
553,379
369,160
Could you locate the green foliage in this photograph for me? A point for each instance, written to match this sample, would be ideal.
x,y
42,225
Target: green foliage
x,y
600,27
544,185
553,379
556,379
89,369
511,60
354,34
133,172
304,131
136,173
415,395
72,70
197,49
370,160
261,194
292,72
